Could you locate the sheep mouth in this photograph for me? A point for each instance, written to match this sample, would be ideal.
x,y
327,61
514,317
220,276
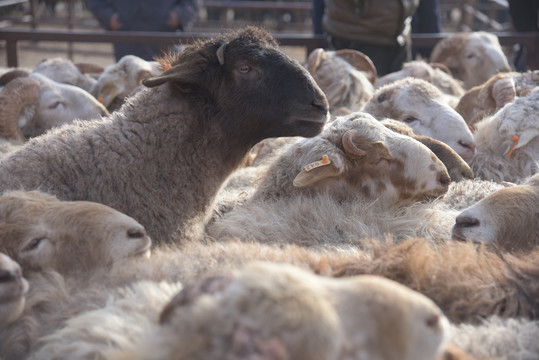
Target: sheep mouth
x,y
456,235
145,249
14,290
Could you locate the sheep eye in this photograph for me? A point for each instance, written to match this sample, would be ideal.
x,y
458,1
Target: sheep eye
x,y
410,119
244,69
33,244
54,105
469,56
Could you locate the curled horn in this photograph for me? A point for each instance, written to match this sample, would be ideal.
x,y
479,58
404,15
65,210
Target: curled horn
x,y
350,147
314,60
87,68
13,97
360,61
11,75
447,47
504,91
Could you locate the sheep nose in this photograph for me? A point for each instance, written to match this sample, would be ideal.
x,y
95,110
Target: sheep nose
x,y
466,221
136,233
433,321
9,276
444,179
467,145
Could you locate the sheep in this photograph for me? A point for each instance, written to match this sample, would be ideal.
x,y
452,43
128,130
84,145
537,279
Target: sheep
x,y
485,99
65,71
119,80
457,168
248,317
346,77
363,156
162,158
467,282
13,288
420,105
498,338
437,74
72,237
508,141
39,103
467,192
472,57
507,219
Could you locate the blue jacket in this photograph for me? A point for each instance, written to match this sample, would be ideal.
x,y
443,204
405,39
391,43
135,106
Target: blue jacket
x,y
143,15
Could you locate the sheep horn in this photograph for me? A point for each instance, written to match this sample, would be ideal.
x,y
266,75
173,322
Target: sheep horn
x,y
221,54
11,75
350,147
13,97
504,91
360,61
314,60
87,68
447,47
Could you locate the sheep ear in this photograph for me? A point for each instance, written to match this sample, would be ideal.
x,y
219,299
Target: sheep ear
x,y
221,54
359,147
386,95
307,178
180,74
379,151
526,137
314,60
143,74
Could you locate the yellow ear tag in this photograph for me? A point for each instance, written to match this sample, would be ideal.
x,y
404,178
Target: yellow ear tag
x,y
325,161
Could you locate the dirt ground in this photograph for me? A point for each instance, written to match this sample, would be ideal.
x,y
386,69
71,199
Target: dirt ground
x,y
32,53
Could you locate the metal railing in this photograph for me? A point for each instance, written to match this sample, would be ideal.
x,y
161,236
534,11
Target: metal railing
x,y
11,37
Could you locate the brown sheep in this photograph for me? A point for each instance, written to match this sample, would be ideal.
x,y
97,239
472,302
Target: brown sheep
x,y
162,158
72,237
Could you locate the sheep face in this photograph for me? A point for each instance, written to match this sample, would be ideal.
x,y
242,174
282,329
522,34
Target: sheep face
x,y
119,80
272,94
13,288
283,312
507,218
422,106
345,76
472,57
368,158
42,232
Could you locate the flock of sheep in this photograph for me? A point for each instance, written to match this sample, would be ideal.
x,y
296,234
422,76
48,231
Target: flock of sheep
x,y
227,202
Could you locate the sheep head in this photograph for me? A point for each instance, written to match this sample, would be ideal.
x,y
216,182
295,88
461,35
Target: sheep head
x,y
273,94
41,232
346,77
66,72
457,168
13,288
421,106
276,311
507,219
472,57
119,80
367,158
45,104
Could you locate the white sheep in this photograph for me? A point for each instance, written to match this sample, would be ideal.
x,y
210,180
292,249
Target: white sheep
x,y
119,80
39,103
507,219
421,106
65,71
345,76
163,157
508,142
472,57
13,288
485,99
266,309
437,74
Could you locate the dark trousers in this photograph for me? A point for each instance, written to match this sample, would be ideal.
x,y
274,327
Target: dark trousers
x,y
386,58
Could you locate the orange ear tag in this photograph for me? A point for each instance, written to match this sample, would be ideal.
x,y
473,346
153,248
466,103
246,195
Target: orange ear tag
x,y
515,139
101,99
167,67
325,161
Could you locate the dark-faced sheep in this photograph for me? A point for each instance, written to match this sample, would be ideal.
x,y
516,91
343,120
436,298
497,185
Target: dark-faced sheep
x,y
72,237
162,158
